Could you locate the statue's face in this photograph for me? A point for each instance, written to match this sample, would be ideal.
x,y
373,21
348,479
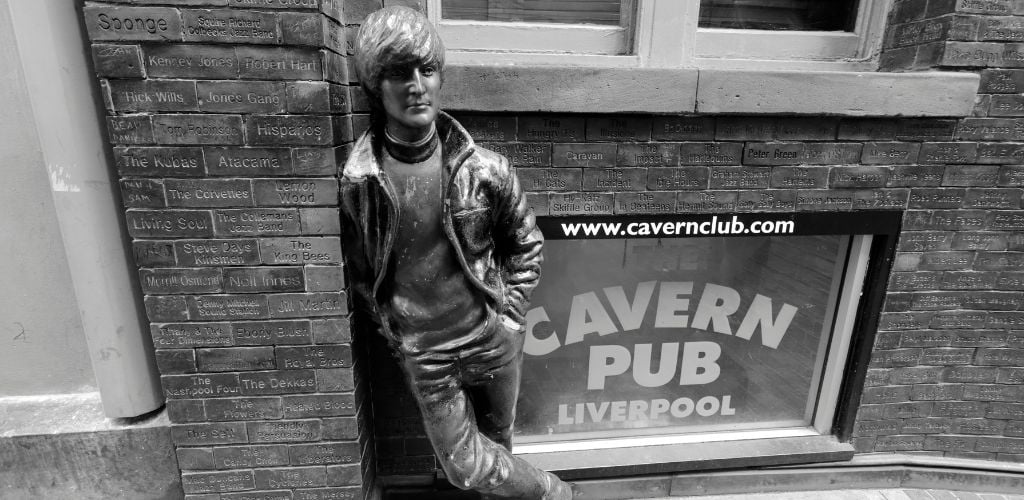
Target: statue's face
x,y
411,98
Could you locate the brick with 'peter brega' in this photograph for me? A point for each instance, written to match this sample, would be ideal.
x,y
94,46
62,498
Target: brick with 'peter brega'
x,y
117,61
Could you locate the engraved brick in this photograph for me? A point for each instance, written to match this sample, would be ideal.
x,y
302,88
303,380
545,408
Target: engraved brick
x,y
936,392
211,482
256,222
320,356
866,129
295,192
1002,81
774,153
319,405
614,179
1014,376
239,457
200,386
335,380
968,280
917,409
584,155
944,261
581,204
220,307
197,129
924,338
301,250
1011,175
921,32
551,179
331,330
142,193
999,261
677,178
168,223
993,198
970,175
958,319
244,408
824,199
961,374
240,97
248,161
925,129
175,361
279,63
710,153
890,153
781,129
324,278
989,129
195,458
739,177
880,200
899,443
324,453
1006,220
180,280
707,201
153,95
945,220
310,97
118,61
190,61
185,410
294,305
946,356
236,359
618,128
104,22
925,426
999,357
159,161
873,395
551,128
289,130
776,200
277,382
652,154
338,98
980,241
657,202
858,177
318,161
336,67
949,443
290,477
527,154
311,29
263,279
948,152
283,432
915,175
217,252
320,221
195,193
924,241
271,332
682,128
346,475
992,392
255,495
130,129
936,198
489,127
190,334
914,280
230,26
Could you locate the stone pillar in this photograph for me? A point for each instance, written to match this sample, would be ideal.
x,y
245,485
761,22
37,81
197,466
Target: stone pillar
x,y
228,121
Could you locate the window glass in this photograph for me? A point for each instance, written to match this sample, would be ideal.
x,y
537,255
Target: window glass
x,y
634,337
804,15
544,11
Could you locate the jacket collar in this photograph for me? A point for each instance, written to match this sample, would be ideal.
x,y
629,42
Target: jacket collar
x,y
456,145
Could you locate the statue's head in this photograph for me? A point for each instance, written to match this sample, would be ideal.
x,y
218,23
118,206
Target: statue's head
x,y
399,61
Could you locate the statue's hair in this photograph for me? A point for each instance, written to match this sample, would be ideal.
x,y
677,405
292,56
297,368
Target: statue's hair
x,y
394,37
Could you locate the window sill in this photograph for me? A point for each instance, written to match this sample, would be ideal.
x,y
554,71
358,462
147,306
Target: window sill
x,y
571,465
495,88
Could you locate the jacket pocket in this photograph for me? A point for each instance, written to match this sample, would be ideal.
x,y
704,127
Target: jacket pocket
x,y
473,228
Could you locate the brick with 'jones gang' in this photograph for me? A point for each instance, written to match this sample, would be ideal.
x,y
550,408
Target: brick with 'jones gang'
x,y
130,129
256,222
117,60
228,359
319,405
277,382
279,63
213,482
221,385
324,453
224,307
159,161
104,22
197,129
302,305
319,356
283,431
271,332
289,130
295,192
240,457
190,334
169,223
263,279
325,250
227,252
208,193
142,193
241,97
168,281
153,95
243,409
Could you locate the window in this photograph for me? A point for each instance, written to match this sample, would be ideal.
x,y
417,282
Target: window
x,y
689,336
663,33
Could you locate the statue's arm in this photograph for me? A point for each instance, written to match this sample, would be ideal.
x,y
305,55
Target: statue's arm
x,y
520,242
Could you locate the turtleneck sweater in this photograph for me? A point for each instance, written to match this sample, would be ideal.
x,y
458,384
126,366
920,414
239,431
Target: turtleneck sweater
x,y
432,303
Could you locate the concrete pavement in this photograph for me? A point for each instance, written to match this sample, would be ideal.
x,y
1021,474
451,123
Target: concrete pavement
x,y
861,494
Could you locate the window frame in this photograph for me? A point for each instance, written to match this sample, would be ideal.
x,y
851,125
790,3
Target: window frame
x,y
665,34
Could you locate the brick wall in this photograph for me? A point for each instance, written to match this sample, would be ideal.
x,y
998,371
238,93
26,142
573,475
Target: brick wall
x,y
228,119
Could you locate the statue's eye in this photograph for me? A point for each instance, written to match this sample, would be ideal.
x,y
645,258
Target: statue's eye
x,y
428,70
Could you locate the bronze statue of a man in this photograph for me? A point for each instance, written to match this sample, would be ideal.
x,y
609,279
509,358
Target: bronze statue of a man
x,y
443,254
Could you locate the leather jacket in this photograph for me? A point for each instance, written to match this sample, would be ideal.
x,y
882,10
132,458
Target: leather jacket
x,y
485,217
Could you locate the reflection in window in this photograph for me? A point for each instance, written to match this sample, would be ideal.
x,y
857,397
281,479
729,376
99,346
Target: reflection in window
x,y
802,15
543,11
